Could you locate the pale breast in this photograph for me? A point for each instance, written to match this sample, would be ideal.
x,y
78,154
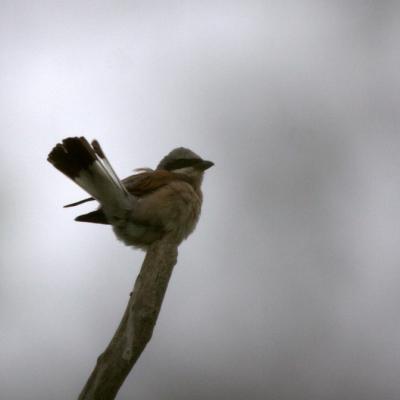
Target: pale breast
x,y
173,208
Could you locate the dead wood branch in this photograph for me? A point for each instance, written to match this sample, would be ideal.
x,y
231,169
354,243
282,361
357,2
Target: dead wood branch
x,y
136,326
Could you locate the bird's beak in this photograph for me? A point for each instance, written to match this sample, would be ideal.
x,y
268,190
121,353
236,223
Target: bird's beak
x,y
203,165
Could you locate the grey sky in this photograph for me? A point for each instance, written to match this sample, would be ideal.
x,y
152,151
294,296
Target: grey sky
x,y
289,288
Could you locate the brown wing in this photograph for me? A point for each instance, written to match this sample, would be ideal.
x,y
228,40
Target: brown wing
x,y
147,182
139,185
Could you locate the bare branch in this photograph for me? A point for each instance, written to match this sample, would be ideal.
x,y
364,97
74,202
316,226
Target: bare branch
x,y
137,324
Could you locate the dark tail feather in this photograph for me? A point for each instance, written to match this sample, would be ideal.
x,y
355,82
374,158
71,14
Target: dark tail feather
x,y
72,156
96,217
79,202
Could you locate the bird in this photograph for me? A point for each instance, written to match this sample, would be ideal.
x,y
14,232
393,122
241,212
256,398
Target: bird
x,y
143,207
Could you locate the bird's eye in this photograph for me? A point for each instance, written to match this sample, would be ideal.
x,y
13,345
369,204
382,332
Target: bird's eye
x,y
182,163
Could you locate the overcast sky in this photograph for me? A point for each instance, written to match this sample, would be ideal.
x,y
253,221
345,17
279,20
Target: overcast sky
x,y
289,287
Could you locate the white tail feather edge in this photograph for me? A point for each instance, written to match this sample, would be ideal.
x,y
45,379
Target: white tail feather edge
x,y
101,182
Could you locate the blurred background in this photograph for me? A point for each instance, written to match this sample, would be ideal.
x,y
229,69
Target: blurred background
x,y
289,288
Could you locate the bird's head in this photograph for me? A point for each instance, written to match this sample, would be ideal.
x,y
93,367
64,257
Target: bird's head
x,y
184,161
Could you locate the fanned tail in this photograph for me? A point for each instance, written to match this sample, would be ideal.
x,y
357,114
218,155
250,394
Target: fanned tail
x,y
89,168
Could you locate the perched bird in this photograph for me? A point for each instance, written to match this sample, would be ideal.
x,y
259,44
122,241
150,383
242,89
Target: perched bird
x,y
141,208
